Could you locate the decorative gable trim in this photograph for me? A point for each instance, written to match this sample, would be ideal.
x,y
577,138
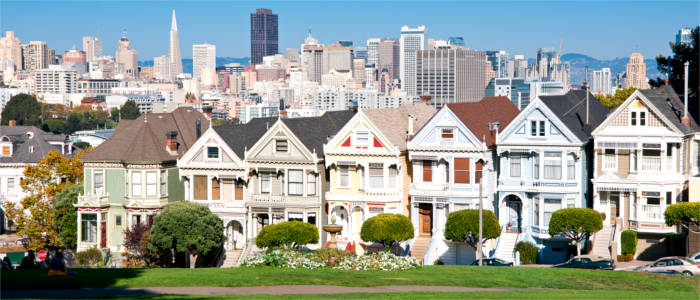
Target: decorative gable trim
x,y
444,117
334,146
518,124
209,136
279,129
637,95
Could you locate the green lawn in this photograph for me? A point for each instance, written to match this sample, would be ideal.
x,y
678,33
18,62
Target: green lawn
x,y
569,279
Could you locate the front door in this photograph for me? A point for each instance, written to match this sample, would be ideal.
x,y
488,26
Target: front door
x,y
425,219
103,234
614,207
514,210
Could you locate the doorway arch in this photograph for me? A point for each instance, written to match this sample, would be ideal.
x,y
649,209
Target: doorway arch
x,y
514,213
235,238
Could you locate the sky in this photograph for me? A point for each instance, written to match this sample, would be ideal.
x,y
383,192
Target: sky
x,y
601,29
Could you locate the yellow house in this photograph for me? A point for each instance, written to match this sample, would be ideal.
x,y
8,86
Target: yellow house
x,y
369,168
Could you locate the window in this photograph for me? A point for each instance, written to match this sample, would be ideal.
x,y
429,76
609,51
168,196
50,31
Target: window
x,y
542,129
478,173
537,128
376,175
362,137
151,184
5,150
427,171
265,182
213,152
311,218
163,183
136,184
447,133
571,202
536,213
609,159
669,198
295,184
135,219
461,166
215,189
281,146
200,187
392,177
295,216
98,184
552,165
638,118
570,167
533,128
653,200
344,176
550,206
311,184
88,223
536,166
238,194
515,164
118,220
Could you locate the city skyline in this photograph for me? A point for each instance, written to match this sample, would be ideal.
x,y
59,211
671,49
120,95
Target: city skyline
x,y
148,24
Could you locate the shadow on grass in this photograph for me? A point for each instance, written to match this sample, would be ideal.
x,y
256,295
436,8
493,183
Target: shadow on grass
x,y
85,278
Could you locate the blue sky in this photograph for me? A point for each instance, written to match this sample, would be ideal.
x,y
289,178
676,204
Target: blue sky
x,y
601,29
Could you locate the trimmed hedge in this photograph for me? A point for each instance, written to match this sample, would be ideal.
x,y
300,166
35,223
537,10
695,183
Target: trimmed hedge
x,y
89,258
682,213
628,239
463,226
287,234
528,252
387,229
675,244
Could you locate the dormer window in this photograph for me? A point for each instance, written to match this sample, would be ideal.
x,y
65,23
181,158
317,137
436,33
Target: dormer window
x,y
281,146
638,118
6,150
447,134
538,128
213,152
362,137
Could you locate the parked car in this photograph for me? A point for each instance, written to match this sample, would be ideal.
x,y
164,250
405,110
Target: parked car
x,y
587,263
672,263
695,257
493,262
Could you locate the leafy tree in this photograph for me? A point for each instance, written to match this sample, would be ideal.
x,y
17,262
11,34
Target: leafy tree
x,y
612,101
292,233
187,227
66,215
54,125
673,66
34,215
686,214
463,226
82,145
134,235
130,111
387,229
575,224
114,114
24,109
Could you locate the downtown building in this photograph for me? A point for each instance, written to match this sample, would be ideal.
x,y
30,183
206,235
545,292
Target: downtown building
x,y
263,35
203,59
450,75
92,46
412,40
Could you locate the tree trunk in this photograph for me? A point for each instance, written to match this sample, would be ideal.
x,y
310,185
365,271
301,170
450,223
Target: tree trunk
x,y
578,248
193,259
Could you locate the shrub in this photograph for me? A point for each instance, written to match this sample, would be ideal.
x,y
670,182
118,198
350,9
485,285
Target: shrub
x,y
683,213
387,229
528,252
287,234
625,257
575,224
463,226
90,257
675,244
628,239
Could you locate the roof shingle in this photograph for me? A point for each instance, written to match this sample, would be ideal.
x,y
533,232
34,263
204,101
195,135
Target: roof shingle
x,y
477,115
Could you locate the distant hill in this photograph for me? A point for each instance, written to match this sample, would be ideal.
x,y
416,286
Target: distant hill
x,y
187,62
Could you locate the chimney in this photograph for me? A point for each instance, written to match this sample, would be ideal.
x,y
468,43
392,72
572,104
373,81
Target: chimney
x,y
666,80
12,123
410,126
425,99
171,141
685,120
207,111
198,127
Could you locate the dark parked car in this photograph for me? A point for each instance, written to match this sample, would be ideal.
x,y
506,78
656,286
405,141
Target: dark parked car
x,y
493,262
587,263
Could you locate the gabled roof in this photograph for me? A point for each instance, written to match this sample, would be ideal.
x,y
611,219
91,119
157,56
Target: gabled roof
x,y
143,139
667,102
477,115
240,137
570,108
393,122
23,137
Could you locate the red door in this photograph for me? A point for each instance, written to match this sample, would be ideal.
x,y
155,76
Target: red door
x,y
425,212
103,234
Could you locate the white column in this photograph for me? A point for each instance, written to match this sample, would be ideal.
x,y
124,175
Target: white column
x,y
80,229
304,186
269,216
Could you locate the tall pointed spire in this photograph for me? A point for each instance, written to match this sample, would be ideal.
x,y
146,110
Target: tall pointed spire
x,y
174,51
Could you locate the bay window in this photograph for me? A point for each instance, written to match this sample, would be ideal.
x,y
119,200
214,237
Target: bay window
x,y
295,183
609,159
392,177
136,184
265,182
427,171
344,176
570,167
88,224
536,166
151,184
461,170
98,184
200,187
163,183
215,189
238,193
515,164
552,165
550,206
478,172
376,175
311,184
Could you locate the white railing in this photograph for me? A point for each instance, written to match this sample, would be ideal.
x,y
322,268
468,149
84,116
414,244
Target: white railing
x,y
651,164
651,211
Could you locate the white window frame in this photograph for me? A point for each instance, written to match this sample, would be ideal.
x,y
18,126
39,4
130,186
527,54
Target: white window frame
x,y
340,176
637,113
136,192
11,188
570,158
448,141
89,230
98,190
511,160
536,165
218,153
263,189
151,184
295,188
553,159
382,177
311,184
287,146
357,139
163,182
540,127
605,159
392,178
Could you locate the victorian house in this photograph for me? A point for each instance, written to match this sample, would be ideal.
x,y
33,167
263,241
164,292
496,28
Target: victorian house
x,y
544,157
643,160
369,168
131,176
452,164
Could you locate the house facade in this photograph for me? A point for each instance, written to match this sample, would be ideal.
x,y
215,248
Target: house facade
x,y
452,163
643,163
543,158
131,176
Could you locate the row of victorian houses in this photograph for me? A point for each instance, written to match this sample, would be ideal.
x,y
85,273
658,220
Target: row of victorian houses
x,y
345,166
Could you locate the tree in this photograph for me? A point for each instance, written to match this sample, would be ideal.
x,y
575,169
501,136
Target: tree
x,y
66,215
22,108
187,227
130,111
463,226
685,214
114,114
612,101
387,229
34,215
54,125
292,233
575,224
673,66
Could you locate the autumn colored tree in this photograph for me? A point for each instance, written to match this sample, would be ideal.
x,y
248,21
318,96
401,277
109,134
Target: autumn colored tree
x,y
34,215
614,100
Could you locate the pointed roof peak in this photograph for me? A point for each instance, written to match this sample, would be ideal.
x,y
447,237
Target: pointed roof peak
x,y
173,25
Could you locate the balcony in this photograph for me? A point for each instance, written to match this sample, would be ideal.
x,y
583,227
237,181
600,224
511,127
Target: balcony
x,y
657,164
93,200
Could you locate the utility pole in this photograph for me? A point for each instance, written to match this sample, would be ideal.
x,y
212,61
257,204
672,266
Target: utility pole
x,y
586,85
481,210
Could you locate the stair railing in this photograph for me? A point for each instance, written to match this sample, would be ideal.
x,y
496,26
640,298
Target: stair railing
x,y
492,253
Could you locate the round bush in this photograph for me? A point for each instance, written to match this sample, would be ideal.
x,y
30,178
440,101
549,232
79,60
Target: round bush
x,y
528,252
387,229
628,239
287,234
463,224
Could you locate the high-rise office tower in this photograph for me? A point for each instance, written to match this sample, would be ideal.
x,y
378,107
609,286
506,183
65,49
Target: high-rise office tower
x,y
311,59
412,40
174,51
388,57
203,56
161,68
450,74
636,72
92,46
499,62
263,35
127,59
373,51
684,36
11,49
337,57
358,68
360,52
601,81
76,56
36,55
519,66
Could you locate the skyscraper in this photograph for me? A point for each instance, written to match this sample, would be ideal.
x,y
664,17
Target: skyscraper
x,y
203,56
450,74
92,46
412,40
499,62
372,51
11,49
76,56
636,72
36,55
601,81
127,58
684,36
161,68
311,59
263,35
388,57
174,51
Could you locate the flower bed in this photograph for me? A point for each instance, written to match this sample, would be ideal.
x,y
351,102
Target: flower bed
x,y
329,258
